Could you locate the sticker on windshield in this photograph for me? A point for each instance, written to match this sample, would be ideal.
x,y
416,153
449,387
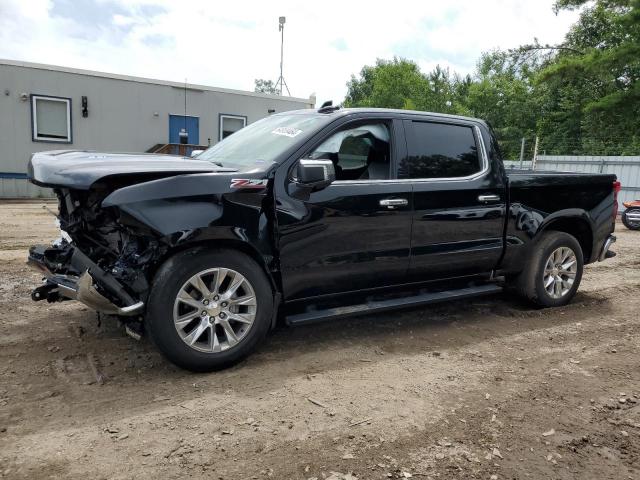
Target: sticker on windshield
x,y
287,131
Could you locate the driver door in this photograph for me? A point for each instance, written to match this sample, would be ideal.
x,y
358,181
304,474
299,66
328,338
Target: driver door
x,y
354,234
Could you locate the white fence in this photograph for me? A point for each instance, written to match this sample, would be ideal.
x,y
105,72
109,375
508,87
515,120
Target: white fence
x,y
627,169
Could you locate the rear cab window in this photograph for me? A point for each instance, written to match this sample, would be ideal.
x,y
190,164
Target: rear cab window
x,y
438,150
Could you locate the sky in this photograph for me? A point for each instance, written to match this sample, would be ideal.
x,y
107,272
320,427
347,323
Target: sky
x,y
229,44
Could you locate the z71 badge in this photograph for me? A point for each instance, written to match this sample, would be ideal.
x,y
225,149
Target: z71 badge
x,y
248,183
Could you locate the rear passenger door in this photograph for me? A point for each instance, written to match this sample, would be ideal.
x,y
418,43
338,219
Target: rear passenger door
x,y
459,201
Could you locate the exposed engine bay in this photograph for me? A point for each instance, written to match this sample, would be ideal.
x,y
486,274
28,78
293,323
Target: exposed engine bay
x,y
100,251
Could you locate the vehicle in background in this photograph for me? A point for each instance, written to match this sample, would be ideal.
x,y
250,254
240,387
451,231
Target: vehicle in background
x,y
631,216
311,215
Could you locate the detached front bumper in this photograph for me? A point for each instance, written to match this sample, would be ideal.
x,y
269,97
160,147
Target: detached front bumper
x,y
71,275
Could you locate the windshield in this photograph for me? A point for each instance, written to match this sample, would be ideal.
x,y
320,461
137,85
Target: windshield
x,y
259,144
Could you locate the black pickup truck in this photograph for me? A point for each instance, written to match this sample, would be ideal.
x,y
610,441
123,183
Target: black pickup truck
x,y
308,215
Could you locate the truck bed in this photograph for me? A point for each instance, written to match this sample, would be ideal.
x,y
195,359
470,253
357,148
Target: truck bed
x,y
537,198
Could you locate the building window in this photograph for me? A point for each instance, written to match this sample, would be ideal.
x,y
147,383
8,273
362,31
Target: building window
x,y
230,124
50,119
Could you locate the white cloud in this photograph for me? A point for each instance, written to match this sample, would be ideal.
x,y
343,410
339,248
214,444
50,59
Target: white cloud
x,y
122,20
228,44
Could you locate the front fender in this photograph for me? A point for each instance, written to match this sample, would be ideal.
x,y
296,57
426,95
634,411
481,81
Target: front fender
x,y
197,208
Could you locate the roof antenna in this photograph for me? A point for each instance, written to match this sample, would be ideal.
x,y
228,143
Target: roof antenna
x,y
328,107
281,82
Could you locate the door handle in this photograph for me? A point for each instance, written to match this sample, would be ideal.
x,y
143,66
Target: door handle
x,y
488,198
394,202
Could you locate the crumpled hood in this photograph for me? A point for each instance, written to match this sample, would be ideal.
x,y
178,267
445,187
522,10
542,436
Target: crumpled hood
x,y
81,169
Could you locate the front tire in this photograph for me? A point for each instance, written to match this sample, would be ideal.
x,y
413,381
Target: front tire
x,y
209,309
552,275
631,224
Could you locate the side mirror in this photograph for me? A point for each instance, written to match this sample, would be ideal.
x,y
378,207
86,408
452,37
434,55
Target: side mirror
x,y
315,174
195,153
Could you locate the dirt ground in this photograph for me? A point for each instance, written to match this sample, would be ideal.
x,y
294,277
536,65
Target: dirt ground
x,y
487,389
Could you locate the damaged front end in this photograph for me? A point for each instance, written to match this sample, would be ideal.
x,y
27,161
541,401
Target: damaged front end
x,y
99,260
121,216
105,296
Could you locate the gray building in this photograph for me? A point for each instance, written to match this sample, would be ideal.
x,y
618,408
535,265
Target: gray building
x,y
46,107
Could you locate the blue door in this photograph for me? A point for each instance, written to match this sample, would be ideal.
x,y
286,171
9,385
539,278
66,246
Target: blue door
x,y
191,124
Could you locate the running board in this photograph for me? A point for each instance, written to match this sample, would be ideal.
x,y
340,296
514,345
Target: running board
x,y
382,305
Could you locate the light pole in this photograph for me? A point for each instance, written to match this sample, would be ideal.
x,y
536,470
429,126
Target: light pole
x,y
281,82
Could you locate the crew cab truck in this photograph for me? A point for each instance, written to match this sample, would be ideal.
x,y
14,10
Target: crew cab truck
x,y
309,215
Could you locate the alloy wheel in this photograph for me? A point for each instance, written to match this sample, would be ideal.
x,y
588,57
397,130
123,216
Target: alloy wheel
x,y
560,272
214,310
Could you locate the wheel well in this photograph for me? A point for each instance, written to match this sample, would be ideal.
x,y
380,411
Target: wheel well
x,y
228,244
579,229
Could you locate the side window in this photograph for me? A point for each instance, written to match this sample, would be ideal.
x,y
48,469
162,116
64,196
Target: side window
x,y
358,153
439,150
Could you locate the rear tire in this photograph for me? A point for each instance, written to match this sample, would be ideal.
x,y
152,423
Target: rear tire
x,y
209,309
552,274
628,223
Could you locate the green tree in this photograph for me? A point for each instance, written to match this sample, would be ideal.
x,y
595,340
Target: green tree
x,y
265,86
396,83
502,93
441,95
594,84
399,83
580,97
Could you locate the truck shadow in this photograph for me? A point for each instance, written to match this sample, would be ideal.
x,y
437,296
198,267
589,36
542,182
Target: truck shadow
x,y
448,325
343,344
